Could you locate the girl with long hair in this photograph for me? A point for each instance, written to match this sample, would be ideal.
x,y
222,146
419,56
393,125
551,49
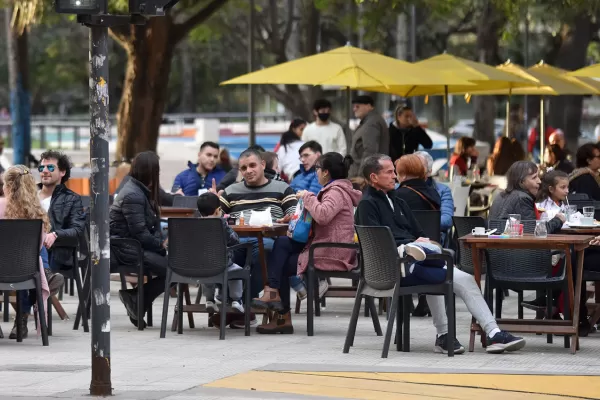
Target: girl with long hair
x,y
290,143
135,214
21,202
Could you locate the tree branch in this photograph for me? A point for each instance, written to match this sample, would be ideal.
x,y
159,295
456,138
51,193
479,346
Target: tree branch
x,y
181,30
289,23
122,34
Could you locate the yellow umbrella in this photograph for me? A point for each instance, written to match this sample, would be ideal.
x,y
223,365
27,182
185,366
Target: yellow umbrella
x,y
483,76
349,67
554,81
592,71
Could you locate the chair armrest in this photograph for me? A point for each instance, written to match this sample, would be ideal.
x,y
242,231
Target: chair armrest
x,y
248,247
337,245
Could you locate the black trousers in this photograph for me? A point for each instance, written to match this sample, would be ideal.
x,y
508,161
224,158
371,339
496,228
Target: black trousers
x,y
157,264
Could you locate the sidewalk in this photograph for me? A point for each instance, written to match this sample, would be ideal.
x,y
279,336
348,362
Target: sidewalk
x,y
194,365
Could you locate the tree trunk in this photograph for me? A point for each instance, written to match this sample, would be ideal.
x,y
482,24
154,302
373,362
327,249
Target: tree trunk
x,y
565,111
187,102
20,97
487,50
149,55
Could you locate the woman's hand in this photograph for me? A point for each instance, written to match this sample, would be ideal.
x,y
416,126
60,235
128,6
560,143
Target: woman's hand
x,y
562,217
595,241
301,194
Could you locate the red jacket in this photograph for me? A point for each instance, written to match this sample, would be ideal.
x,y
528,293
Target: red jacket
x,y
533,137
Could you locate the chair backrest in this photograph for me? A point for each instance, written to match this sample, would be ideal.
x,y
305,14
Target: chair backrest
x,y
379,255
185,201
430,222
460,195
197,246
518,262
19,249
464,226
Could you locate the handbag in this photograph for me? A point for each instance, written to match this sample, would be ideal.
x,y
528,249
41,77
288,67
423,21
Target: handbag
x,y
300,227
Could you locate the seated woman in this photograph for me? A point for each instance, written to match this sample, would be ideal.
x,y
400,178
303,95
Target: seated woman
x,y
585,178
135,214
22,202
465,154
522,185
332,210
506,153
556,158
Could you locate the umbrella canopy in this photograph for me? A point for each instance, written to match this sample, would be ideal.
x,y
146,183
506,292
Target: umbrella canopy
x,y
349,67
553,82
592,71
481,76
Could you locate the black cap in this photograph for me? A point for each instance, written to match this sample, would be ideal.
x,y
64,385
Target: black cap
x,y
363,99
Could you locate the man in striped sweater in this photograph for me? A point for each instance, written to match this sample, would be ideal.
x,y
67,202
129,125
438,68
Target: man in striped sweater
x,y
257,192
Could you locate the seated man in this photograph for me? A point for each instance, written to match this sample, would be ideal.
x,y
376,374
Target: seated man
x,y
381,207
257,192
200,176
64,207
234,176
306,178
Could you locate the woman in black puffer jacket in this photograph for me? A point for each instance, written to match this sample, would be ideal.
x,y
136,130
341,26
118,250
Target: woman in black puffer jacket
x,y
135,214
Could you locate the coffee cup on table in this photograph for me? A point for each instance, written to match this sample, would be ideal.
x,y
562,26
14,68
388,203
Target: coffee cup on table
x,y
588,221
478,231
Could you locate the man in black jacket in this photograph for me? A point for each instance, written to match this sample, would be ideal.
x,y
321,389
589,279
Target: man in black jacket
x,y
406,133
381,207
64,207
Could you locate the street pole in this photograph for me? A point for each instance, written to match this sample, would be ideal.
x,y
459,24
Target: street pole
x,y
99,232
526,65
251,91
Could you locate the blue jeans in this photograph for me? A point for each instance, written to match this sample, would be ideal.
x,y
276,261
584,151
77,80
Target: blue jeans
x,y
239,257
428,271
27,297
283,264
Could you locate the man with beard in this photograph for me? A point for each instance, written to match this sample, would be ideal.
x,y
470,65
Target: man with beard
x,y
200,176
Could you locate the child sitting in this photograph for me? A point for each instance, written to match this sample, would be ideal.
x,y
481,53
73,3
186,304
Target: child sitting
x,y
209,207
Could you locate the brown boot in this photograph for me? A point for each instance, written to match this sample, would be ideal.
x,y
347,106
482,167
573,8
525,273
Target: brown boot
x,y
270,299
281,323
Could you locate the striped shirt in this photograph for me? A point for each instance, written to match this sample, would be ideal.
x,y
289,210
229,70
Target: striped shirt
x,y
239,198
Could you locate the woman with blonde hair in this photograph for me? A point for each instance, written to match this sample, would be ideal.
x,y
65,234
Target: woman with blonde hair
x,y
21,202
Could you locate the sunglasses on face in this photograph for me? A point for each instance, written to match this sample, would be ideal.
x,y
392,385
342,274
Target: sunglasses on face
x,y
50,167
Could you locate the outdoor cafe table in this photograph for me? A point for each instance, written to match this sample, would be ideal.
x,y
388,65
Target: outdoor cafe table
x,y
177,212
554,242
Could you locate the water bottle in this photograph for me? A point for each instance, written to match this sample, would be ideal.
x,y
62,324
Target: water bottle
x,y
540,229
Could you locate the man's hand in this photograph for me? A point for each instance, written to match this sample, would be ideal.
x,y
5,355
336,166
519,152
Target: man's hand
x,y
562,217
423,240
179,192
213,189
595,241
414,120
284,220
49,240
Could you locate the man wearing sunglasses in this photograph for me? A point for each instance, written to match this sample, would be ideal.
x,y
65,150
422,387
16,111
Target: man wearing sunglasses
x,y
64,207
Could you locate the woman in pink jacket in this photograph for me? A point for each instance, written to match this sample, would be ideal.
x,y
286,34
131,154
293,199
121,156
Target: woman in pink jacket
x,y
332,210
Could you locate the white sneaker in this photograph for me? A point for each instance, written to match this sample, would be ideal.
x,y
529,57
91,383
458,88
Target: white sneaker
x,y
411,250
237,306
323,287
211,306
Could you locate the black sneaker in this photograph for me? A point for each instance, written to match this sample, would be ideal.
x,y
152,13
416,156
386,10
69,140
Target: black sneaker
x,y
441,345
504,341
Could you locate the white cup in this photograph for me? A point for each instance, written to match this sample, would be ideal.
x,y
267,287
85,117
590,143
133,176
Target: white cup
x,y
587,221
202,191
478,231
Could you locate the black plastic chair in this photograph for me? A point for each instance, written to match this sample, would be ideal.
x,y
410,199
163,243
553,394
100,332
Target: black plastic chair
x,y
198,255
524,269
381,277
74,274
464,226
578,197
137,269
313,275
20,242
185,201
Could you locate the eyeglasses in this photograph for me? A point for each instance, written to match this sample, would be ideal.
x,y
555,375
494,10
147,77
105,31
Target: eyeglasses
x,y
50,167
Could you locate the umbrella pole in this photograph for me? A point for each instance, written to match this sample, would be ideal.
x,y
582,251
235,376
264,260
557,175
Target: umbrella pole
x,y
348,110
446,124
542,131
506,124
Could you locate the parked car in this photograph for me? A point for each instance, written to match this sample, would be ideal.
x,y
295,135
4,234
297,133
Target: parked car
x,y
464,127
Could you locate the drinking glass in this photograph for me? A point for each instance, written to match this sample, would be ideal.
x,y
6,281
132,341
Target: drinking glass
x,y
540,229
514,222
588,212
570,211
